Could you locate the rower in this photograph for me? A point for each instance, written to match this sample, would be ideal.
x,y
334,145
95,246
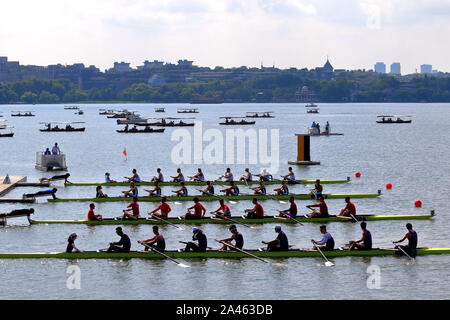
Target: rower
x,y
228,175
349,211
365,243
156,192
317,191
164,207
236,237
132,192
158,239
260,189
198,176
123,245
223,210
133,206
108,178
246,177
327,242
264,175
281,243
71,244
159,177
92,216
209,190
99,192
292,211
182,192
42,193
323,209
283,190
410,248
199,210
134,178
60,177
233,190
179,177
199,236
257,212
290,177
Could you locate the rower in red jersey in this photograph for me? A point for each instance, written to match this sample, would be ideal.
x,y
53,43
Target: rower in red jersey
x,y
199,210
134,207
92,216
349,212
323,209
257,212
164,207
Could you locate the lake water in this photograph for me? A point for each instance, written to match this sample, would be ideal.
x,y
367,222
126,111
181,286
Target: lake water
x,y
414,158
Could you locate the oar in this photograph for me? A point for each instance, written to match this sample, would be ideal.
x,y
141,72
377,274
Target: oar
x,y
165,255
102,250
240,250
232,220
289,216
404,252
327,262
169,223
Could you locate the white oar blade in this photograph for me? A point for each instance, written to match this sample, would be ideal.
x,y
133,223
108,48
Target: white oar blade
x,y
282,202
279,264
183,265
232,202
329,264
181,228
176,202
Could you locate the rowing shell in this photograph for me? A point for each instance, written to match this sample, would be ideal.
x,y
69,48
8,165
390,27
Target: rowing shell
x,y
211,198
217,254
267,219
198,183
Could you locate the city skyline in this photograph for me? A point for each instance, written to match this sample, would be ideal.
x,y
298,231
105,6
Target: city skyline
x,y
284,33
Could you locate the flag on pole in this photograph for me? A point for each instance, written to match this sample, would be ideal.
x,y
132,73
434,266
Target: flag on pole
x,y
125,153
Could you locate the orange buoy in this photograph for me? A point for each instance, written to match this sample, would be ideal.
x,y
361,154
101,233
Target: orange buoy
x,y
358,174
388,186
418,203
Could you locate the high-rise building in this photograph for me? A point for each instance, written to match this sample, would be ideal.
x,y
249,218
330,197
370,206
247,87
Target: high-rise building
x,y
395,68
426,68
380,67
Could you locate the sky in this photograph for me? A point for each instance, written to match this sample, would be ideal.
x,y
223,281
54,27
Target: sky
x,y
229,33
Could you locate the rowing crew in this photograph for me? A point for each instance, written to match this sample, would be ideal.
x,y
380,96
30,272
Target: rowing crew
x,y
199,241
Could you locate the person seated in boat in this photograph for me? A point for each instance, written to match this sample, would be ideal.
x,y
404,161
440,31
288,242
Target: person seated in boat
x,y
132,207
47,152
157,241
49,192
292,211
223,210
71,244
290,176
171,123
147,129
134,129
199,210
126,128
132,192
179,177
281,243
182,192
209,190
317,191
56,128
155,192
181,122
365,243
163,207
134,178
92,216
123,245
411,247
327,242
236,236
108,178
349,212
64,177
68,127
260,189
257,212
264,175
228,175
159,177
283,190
55,150
200,237
99,192
323,209
232,190
198,176
246,177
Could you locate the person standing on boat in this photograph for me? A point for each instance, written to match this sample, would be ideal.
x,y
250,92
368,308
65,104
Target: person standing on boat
x,y
123,245
156,192
92,216
163,207
246,177
209,190
327,128
134,178
182,192
327,242
233,190
223,210
179,177
318,128
411,247
108,178
199,210
132,192
260,189
47,152
228,175
55,150
42,193
317,191
283,190
198,176
71,244
134,207
365,243
158,239
200,237
159,177
281,242
64,177
290,177
236,237
257,212
323,209
349,211
292,211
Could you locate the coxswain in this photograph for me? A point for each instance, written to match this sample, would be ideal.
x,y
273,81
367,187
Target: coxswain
x,y
411,247
99,192
54,178
159,177
317,191
179,177
134,178
290,176
349,212
327,242
182,192
236,237
260,189
228,175
108,178
246,177
232,190
323,209
134,207
123,245
71,244
283,190
92,216
223,210
264,175
199,176
49,192
157,241
257,212
199,236
281,242
209,190
155,192
365,243
199,210
163,207
132,192
292,211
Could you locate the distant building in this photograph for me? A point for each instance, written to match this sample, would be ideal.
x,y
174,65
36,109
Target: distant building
x,y
395,68
380,67
426,68
325,72
185,63
156,81
303,94
122,67
155,64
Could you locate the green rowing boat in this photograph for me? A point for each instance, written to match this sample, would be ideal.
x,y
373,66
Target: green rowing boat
x,y
303,196
267,219
197,183
217,254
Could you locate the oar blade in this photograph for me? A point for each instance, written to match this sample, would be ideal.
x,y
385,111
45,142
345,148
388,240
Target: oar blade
x,y
181,228
182,265
329,264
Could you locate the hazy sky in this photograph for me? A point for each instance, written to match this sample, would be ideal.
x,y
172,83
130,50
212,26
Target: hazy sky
x,y
290,33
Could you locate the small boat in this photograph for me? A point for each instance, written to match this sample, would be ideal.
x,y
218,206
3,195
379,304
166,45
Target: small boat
x,y
105,112
50,162
71,107
187,110
164,123
160,109
122,114
67,126
10,134
132,119
230,122
22,113
80,112
146,130
393,119
264,114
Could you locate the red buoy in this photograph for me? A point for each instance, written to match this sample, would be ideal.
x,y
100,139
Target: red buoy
x,y
388,186
418,203
358,174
